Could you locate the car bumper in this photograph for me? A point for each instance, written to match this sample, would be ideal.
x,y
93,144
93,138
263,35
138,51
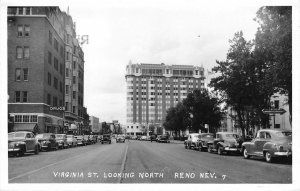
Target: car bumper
x,y
14,150
231,149
288,153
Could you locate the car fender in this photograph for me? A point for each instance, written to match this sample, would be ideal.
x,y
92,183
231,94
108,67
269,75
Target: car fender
x,y
269,147
222,144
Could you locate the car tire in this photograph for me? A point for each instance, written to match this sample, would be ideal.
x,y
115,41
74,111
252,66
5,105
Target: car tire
x,y
268,157
245,154
220,151
189,147
20,153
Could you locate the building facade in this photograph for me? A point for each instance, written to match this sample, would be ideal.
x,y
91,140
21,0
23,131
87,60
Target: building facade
x,y
153,88
37,63
94,124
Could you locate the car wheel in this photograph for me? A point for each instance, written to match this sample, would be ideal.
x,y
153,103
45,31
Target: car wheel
x,y
189,147
245,153
37,150
200,147
20,153
220,151
269,157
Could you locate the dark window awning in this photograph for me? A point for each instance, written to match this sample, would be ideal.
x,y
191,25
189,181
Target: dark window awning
x,y
33,127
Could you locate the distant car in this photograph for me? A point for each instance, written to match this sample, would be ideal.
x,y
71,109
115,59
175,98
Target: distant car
x,y
270,144
163,139
204,138
134,137
106,139
93,138
87,139
143,138
120,138
191,141
228,142
62,140
153,138
21,142
47,141
72,142
80,140
138,137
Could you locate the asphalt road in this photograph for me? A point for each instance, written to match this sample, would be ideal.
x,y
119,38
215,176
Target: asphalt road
x,y
143,162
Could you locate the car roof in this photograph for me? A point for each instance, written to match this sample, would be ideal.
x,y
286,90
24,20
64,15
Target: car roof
x,y
276,130
227,133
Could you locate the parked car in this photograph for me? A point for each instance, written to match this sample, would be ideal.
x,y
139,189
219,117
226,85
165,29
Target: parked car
x,y
106,139
134,137
191,141
47,141
21,142
138,137
80,140
225,142
72,142
87,139
163,139
62,140
143,138
153,138
203,139
120,138
269,143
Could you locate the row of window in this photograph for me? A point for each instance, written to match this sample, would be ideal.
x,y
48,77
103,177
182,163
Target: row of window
x,y
55,61
55,44
54,101
23,30
23,52
26,119
55,82
21,96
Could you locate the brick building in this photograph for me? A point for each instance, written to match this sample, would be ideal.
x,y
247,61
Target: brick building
x,y
38,58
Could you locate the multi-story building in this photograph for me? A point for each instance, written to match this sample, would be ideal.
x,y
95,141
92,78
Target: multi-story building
x,y
45,69
36,68
153,88
94,124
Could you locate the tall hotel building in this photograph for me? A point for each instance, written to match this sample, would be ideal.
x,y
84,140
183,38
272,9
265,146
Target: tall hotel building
x,y
153,88
40,52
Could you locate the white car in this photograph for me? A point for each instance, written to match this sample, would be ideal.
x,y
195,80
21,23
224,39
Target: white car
x,y
143,138
191,141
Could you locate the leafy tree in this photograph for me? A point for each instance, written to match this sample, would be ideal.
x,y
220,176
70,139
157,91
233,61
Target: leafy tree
x,y
274,41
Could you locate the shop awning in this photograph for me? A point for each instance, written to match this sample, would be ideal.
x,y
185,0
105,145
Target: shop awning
x,y
33,127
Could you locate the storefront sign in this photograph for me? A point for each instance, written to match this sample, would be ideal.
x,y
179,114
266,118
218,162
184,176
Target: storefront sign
x,y
57,108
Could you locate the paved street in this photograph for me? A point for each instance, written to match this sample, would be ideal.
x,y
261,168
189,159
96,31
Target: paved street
x,y
142,162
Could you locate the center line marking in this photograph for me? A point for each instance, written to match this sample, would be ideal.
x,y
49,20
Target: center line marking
x,y
123,165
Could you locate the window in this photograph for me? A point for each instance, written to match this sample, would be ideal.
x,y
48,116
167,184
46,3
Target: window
x,y
262,135
55,44
74,65
18,74
20,11
277,126
61,68
60,86
67,72
66,105
68,56
74,95
27,10
20,30
196,72
61,51
67,89
60,102
27,30
167,71
48,99
74,109
25,96
49,58
33,118
17,96
50,37
18,118
49,79
56,64
26,52
268,136
25,74
54,101
276,104
55,83
19,52
26,118
74,79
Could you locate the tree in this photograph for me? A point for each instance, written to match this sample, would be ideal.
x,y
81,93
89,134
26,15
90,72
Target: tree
x,y
274,41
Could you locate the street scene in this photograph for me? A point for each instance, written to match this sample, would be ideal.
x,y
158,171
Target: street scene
x,y
149,93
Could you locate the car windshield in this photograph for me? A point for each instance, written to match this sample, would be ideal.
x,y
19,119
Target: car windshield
x,y
207,136
232,136
284,134
59,136
69,136
45,136
19,135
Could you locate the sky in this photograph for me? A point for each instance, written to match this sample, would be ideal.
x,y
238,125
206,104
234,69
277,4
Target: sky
x,y
173,32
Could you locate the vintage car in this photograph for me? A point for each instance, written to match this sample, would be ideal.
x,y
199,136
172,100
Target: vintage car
x,y
87,139
93,139
21,142
269,143
62,140
72,142
80,140
204,138
47,141
191,141
106,139
228,142
163,139
120,138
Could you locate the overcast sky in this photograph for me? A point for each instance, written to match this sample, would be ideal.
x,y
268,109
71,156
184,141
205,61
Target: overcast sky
x,y
151,32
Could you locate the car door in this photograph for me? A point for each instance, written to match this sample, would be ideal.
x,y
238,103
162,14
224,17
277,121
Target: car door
x,y
30,141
